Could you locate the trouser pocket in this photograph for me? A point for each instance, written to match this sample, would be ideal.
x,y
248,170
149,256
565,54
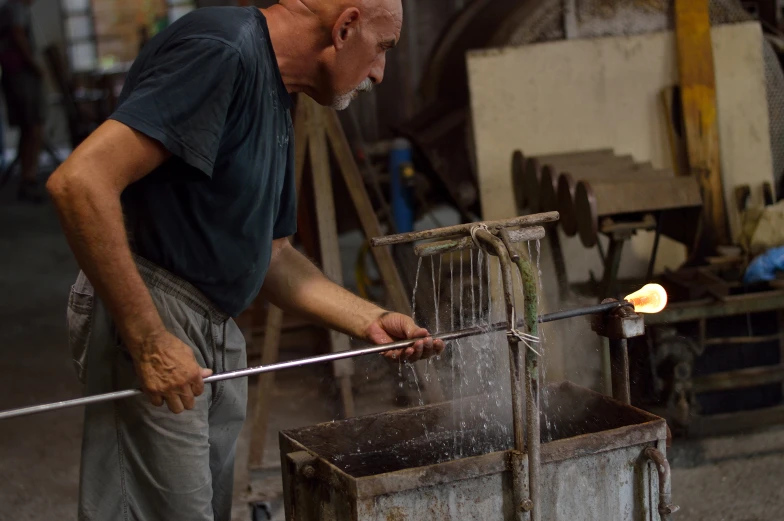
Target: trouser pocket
x,y
79,316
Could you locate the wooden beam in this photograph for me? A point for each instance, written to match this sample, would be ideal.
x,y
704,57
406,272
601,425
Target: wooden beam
x,y
261,412
365,211
698,96
710,308
729,423
751,377
328,243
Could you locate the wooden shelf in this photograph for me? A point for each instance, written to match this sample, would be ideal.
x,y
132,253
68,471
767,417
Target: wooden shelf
x,y
743,340
751,377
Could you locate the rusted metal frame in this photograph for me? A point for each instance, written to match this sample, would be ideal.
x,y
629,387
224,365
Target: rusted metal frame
x,y
527,274
619,368
666,508
522,502
618,325
467,243
464,229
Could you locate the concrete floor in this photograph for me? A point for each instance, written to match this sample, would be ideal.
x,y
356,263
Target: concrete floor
x,y
734,479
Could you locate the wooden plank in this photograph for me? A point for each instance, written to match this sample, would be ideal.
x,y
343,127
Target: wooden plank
x,y
644,195
698,97
729,423
327,228
261,412
750,377
680,161
744,340
707,308
579,156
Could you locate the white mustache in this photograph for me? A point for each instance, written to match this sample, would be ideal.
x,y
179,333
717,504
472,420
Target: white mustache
x,y
365,86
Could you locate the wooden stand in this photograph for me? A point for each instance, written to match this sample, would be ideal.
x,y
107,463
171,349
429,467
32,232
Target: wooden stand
x,y
317,129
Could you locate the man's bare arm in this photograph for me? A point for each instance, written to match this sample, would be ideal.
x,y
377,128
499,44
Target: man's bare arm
x,y
86,190
294,284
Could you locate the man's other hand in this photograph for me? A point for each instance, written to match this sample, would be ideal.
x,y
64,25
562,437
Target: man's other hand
x,y
169,372
391,327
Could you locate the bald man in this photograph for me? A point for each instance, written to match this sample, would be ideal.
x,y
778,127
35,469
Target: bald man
x,y
178,210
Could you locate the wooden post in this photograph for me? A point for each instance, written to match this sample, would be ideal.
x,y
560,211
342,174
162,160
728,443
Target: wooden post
x,y
328,244
260,417
698,96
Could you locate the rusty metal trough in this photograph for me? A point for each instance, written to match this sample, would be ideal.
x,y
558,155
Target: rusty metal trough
x,y
402,465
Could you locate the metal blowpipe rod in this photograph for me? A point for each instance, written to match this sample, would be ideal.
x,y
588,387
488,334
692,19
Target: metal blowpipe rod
x,y
320,359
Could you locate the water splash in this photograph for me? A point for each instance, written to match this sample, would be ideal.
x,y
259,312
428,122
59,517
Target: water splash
x,y
548,419
416,381
421,401
489,295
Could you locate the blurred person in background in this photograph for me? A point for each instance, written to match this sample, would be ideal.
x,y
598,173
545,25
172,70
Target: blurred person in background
x,y
23,88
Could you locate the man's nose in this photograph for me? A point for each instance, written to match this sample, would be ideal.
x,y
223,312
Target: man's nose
x,y
377,71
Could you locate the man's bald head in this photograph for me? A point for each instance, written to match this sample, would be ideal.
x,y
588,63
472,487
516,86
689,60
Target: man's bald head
x,y
353,38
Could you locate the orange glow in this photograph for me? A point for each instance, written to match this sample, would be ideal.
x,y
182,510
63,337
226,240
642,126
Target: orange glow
x,y
650,299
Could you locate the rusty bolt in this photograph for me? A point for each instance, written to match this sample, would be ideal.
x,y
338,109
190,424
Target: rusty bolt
x,y
309,472
527,505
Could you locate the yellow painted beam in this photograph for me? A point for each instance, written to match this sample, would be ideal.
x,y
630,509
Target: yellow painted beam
x,y
698,96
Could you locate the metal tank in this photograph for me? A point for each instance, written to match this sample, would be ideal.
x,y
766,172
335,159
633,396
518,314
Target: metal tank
x,y
400,466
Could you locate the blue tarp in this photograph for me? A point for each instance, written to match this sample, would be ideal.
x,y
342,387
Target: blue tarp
x,y
764,267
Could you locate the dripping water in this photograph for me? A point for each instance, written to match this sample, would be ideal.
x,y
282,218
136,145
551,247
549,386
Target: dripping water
x,y
542,364
453,354
461,358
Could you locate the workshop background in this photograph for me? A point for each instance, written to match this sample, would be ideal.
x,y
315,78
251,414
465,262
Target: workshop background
x,y
600,109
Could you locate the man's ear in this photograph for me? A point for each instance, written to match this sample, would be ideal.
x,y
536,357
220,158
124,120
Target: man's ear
x,y
345,27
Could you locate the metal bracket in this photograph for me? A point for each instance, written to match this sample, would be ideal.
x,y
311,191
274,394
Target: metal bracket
x,y
619,324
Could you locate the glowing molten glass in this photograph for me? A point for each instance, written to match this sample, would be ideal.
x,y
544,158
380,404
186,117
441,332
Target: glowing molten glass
x,y
650,299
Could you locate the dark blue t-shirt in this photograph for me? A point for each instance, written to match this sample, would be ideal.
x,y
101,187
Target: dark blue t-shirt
x,y
209,89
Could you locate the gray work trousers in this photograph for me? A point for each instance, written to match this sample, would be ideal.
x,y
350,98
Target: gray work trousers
x,y
141,462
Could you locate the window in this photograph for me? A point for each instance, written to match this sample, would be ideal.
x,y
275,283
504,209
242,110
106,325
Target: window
x,y
105,35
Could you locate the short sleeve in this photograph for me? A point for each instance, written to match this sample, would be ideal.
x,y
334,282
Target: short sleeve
x,y
286,220
182,98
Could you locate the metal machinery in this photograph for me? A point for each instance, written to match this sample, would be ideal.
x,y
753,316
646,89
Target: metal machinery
x,y
714,364
603,460
597,192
